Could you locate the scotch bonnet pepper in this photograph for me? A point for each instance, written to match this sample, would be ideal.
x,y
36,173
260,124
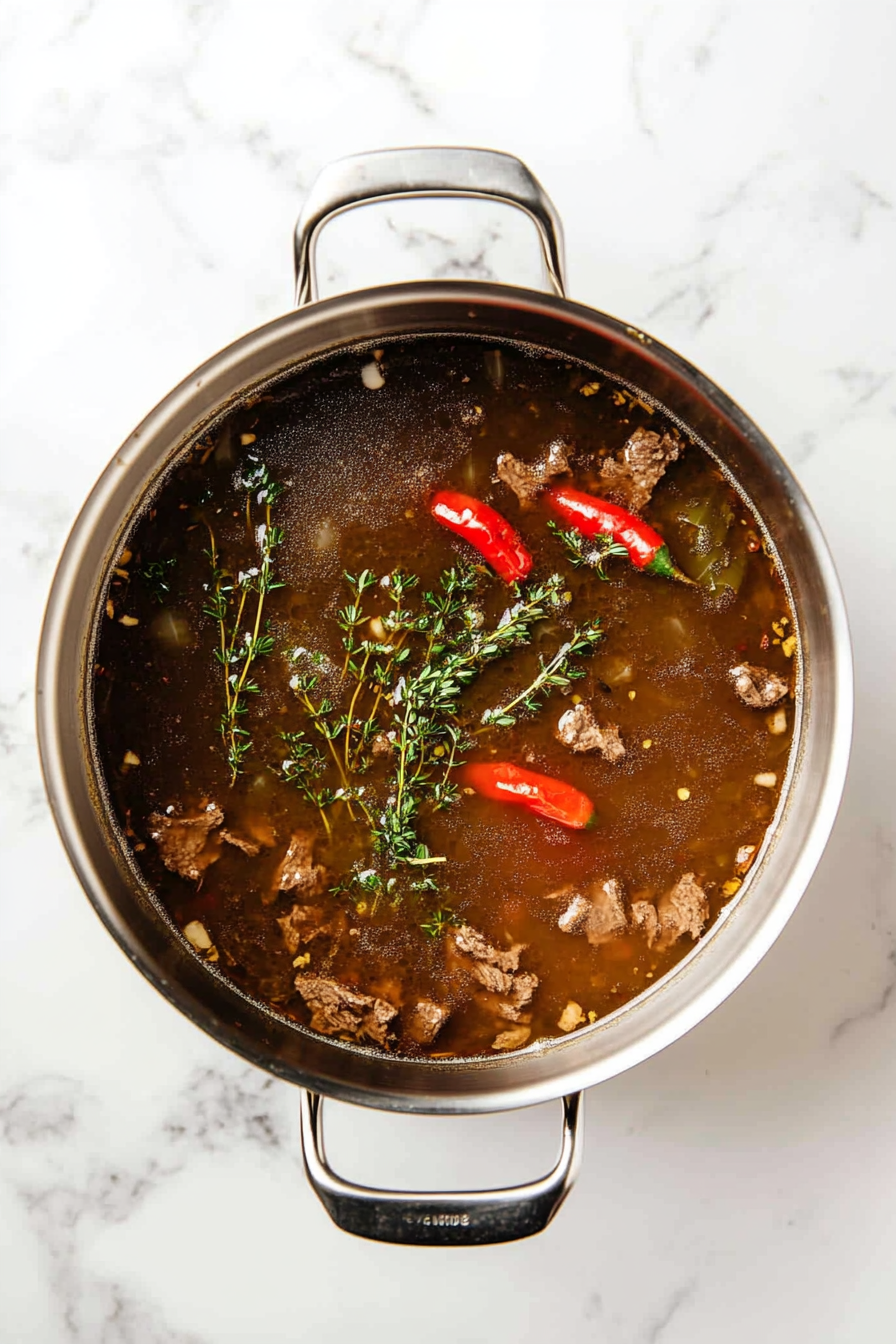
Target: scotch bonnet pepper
x,y
484,528
593,517
541,794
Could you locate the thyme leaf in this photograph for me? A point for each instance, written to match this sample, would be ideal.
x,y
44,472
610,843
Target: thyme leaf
x,y
591,551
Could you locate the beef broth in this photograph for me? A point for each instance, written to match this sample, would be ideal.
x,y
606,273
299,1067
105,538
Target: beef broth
x,y
470,926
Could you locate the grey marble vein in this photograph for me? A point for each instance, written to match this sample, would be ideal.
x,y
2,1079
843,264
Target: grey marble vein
x,y
656,1327
377,46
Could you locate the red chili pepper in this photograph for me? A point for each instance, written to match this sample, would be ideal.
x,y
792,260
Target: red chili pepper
x,y
592,517
485,529
551,798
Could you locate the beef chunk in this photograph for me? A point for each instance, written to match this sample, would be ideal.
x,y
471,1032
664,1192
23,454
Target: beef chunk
x,y
249,847
599,913
184,841
683,909
497,972
633,474
337,1010
469,941
495,981
298,872
645,919
522,991
426,1021
607,917
382,745
303,924
757,686
579,730
525,479
575,916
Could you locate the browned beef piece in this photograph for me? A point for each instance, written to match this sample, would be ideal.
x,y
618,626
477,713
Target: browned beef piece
x,y
495,971
683,909
337,1010
575,915
304,923
633,474
495,981
579,730
599,912
298,872
382,745
607,917
522,991
757,686
426,1020
184,841
469,941
249,847
646,920
525,479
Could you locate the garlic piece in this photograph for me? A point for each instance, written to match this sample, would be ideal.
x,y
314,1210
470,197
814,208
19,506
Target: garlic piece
x,y
371,376
197,934
571,1017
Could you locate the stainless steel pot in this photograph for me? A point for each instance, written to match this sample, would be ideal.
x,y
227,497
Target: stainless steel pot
x,y
749,925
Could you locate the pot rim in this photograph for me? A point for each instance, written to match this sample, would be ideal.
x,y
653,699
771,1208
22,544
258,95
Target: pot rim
x,y
674,1004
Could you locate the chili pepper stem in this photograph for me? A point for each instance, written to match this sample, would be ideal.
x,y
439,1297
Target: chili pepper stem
x,y
662,563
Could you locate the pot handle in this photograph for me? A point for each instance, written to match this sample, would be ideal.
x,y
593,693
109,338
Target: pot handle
x,y
471,1218
397,174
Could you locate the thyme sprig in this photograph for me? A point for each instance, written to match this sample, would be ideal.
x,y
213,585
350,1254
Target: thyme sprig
x,y
229,605
155,575
405,699
429,736
591,551
439,921
557,674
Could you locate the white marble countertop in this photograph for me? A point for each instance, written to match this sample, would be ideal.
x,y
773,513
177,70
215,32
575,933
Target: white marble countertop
x,y
727,179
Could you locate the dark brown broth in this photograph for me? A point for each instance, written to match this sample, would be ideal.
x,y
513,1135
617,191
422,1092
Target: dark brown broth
x,y
360,466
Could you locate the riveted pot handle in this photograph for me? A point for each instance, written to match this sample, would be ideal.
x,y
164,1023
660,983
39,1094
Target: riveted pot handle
x,y
397,174
472,1218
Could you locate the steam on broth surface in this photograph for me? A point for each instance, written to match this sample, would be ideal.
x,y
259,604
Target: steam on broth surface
x,y
322,715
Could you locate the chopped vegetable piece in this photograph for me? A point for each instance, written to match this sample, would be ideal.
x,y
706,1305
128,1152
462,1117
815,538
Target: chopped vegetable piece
x,y
197,934
547,797
483,527
744,858
372,377
512,1039
777,722
594,517
571,1017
